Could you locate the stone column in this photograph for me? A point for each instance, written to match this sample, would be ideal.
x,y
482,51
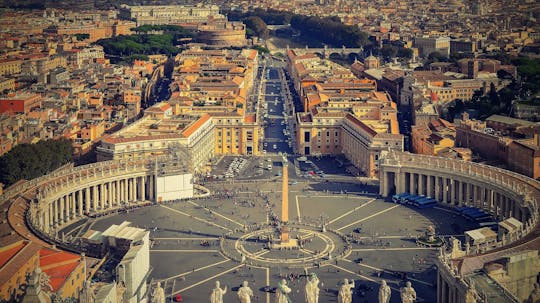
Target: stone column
x,y
110,193
115,193
46,217
420,184
101,196
133,190
151,188
63,211
430,190
475,194
87,199
56,212
51,214
80,202
437,194
459,199
412,190
126,188
143,188
94,197
452,192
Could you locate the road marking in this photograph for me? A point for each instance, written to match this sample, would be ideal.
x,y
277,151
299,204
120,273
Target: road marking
x,y
185,250
216,213
207,279
298,210
394,249
307,251
352,272
390,272
362,276
368,217
198,219
197,269
326,196
351,211
200,238
267,284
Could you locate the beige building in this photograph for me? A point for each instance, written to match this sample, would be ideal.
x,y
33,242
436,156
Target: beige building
x,y
169,14
236,134
151,136
323,132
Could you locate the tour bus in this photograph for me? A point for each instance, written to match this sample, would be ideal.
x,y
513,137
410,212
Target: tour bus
x,y
492,224
426,202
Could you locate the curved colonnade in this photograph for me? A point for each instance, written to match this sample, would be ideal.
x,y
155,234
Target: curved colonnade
x,y
70,193
455,183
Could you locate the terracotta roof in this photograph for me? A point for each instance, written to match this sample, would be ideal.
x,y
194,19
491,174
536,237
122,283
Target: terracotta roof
x,y
195,125
58,265
250,118
18,261
7,254
361,125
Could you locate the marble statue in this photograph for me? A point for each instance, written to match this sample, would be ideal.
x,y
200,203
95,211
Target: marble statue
x,y
217,294
312,288
430,233
282,292
245,293
534,297
384,292
158,295
345,292
408,294
44,281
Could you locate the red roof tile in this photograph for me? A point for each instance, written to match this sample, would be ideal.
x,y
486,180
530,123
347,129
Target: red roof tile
x,y
7,254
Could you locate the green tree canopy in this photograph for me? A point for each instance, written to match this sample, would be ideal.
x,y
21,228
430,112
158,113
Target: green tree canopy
x,y
29,161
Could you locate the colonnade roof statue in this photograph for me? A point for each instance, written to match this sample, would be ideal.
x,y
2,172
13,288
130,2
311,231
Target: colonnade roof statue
x,y
217,293
408,294
312,288
245,293
345,291
158,296
282,292
384,292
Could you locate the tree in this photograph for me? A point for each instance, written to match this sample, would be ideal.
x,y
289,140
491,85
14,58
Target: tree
x,y
258,26
436,57
405,53
81,37
389,51
29,161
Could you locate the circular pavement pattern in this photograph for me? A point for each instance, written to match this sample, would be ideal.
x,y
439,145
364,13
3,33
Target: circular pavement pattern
x,y
195,243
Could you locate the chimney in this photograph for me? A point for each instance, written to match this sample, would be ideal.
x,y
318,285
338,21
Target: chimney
x,y
536,138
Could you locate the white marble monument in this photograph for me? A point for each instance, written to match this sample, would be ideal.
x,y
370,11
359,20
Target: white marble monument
x,y
384,292
312,288
282,292
408,294
217,294
345,292
245,293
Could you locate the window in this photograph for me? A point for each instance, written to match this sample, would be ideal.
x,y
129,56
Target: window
x,y
328,133
307,137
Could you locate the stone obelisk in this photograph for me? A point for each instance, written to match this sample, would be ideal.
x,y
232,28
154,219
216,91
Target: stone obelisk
x,y
285,202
